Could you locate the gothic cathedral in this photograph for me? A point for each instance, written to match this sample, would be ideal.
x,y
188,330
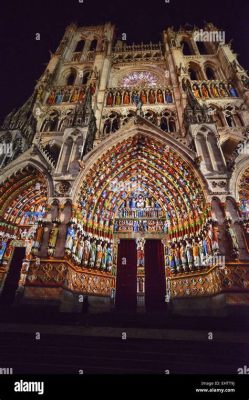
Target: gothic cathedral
x,y
125,177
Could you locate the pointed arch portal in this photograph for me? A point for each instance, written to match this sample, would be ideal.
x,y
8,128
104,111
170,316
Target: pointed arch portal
x,y
138,180
140,194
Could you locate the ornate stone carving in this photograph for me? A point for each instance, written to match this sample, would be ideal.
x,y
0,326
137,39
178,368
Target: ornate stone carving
x,y
62,188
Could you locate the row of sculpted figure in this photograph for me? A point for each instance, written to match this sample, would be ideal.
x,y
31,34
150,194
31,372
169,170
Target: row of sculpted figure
x,y
131,225
87,251
69,95
193,251
207,90
145,96
201,250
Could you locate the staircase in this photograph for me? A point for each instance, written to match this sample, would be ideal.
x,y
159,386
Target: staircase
x,y
68,354
71,343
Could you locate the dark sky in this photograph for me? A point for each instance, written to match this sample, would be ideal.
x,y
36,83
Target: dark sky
x,y
23,59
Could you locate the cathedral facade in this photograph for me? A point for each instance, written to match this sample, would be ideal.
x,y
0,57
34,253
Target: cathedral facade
x,y
125,177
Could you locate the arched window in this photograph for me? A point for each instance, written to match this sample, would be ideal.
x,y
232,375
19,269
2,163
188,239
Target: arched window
x,y
107,126
164,124
93,45
85,77
233,117
115,124
71,78
53,124
172,125
62,124
230,119
66,121
50,124
167,122
186,49
79,46
210,73
45,125
195,71
112,123
192,74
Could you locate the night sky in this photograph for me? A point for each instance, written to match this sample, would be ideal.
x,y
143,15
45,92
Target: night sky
x,y
23,59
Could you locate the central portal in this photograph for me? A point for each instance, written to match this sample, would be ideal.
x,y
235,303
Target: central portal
x,y
140,275
126,284
140,224
142,190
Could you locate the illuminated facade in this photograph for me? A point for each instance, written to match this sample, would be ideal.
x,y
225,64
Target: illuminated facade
x,y
125,176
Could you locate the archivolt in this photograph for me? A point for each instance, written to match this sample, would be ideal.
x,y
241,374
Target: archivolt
x,y
156,168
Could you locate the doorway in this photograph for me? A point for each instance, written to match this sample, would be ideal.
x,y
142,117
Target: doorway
x,y
13,276
126,283
155,280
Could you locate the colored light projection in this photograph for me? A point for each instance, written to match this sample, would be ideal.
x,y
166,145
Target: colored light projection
x,y
167,183
139,78
140,212
244,194
23,199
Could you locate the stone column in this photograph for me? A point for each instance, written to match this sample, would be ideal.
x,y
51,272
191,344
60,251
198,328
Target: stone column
x,y
52,214
65,216
140,278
